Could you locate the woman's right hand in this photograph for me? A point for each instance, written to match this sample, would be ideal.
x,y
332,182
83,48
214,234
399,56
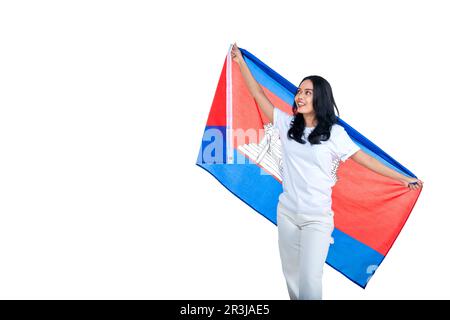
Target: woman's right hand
x,y
236,53
412,184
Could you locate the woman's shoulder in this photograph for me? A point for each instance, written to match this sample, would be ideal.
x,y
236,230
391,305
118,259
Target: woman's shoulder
x,y
336,129
337,132
280,113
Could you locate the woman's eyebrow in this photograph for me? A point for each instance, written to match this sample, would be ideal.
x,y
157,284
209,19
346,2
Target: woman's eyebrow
x,y
305,89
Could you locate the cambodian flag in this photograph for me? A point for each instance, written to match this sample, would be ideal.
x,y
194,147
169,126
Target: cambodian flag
x,y
242,151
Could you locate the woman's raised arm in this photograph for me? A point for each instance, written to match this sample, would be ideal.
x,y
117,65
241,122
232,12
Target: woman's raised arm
x,y
255,89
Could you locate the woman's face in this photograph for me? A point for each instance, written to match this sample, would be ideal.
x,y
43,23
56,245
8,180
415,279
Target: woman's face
x,y
304,97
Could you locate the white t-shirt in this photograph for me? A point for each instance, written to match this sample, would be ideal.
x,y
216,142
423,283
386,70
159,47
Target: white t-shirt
x,y
309,170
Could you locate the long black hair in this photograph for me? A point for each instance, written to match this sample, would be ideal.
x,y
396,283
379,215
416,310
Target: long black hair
x,y
323,105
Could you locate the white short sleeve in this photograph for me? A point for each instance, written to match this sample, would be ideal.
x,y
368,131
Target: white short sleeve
x,y
345,147
281,120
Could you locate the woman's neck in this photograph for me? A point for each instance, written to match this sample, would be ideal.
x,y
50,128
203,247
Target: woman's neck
x,y
310,120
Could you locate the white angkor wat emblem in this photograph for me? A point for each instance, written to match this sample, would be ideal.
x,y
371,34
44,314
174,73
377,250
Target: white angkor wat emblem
x,y
266,153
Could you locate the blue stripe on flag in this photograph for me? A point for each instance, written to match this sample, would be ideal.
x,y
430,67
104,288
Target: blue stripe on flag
x,y
352,258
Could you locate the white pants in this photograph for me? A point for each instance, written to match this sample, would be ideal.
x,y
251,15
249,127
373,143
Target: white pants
x,y
303,242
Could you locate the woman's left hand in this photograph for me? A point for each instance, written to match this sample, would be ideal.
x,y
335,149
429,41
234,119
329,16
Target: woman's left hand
x,y
412,183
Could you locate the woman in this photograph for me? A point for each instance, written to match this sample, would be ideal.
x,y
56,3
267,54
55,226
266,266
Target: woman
x,y
312,146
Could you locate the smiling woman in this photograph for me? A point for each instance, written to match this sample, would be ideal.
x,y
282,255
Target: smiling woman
x,y
304,100
335,196
313,107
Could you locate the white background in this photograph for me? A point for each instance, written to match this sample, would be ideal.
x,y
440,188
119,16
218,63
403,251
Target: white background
x,y
102,111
